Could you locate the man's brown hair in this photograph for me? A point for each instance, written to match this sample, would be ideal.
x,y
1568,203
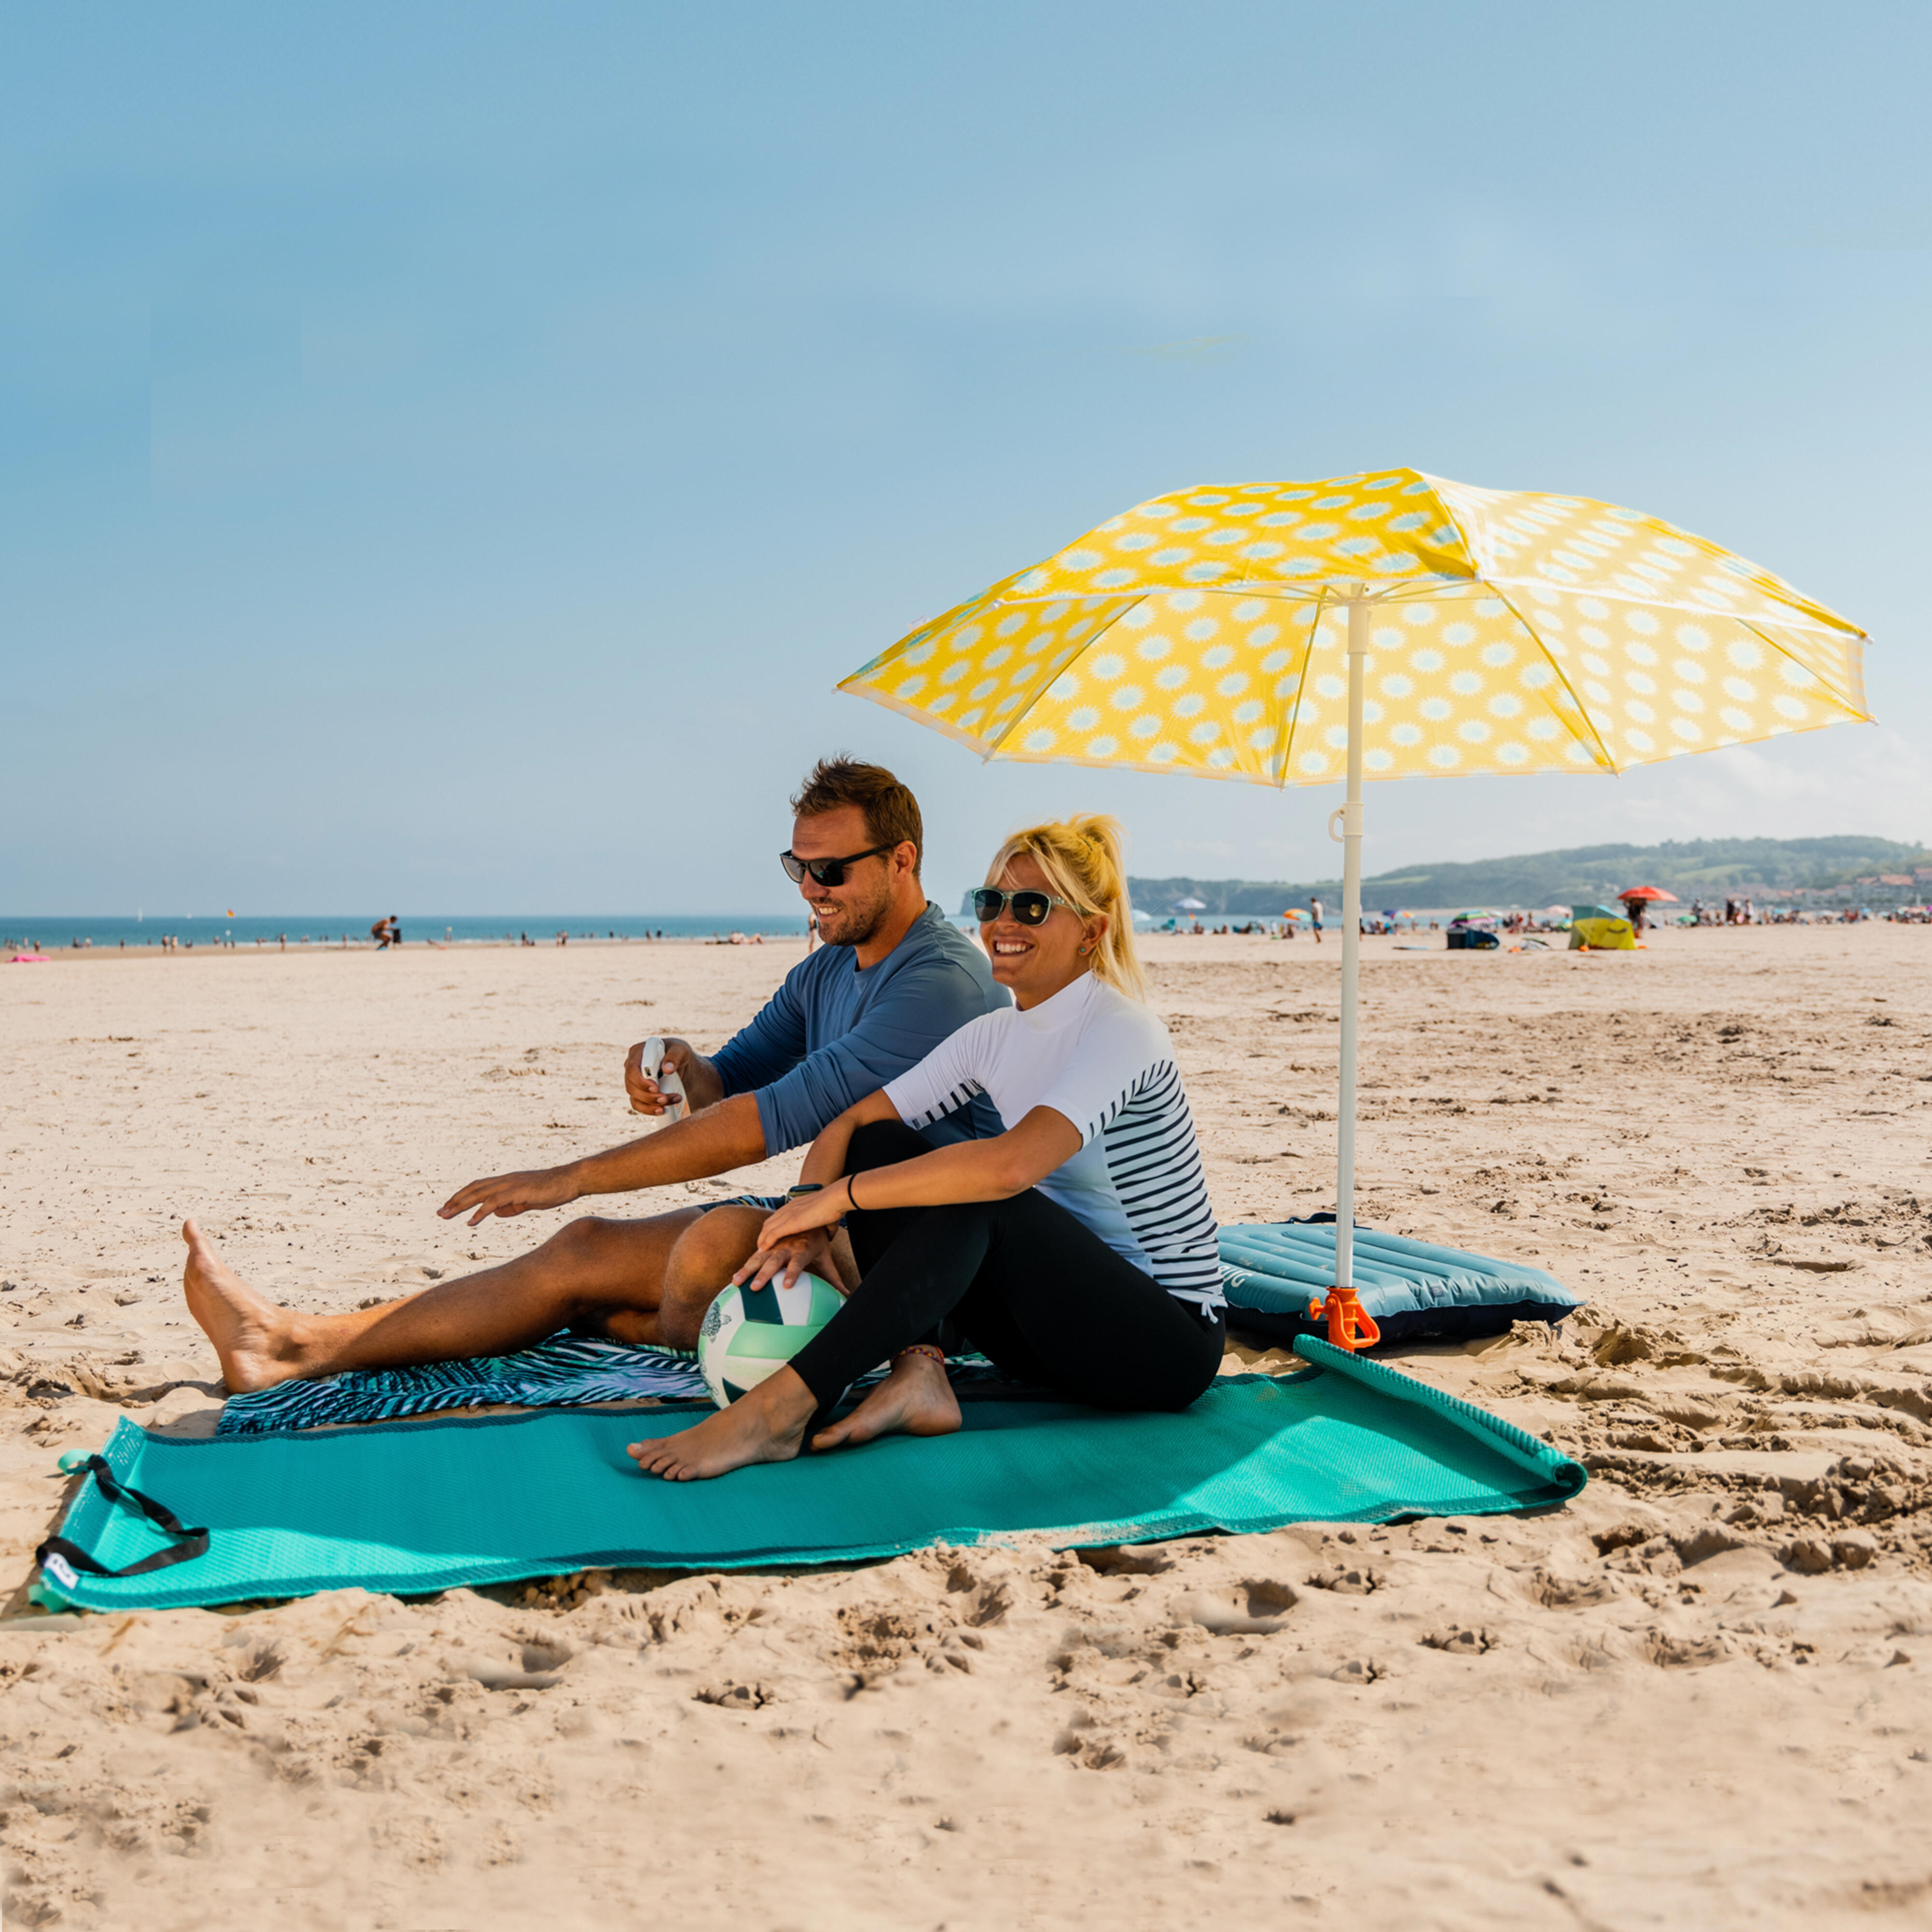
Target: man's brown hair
x,y
891,812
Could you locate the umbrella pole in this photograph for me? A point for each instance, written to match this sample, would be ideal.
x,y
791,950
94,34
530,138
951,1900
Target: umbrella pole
x,y
1350,816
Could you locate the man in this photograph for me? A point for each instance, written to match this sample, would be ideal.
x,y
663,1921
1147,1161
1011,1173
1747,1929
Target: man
x,y
1314,916
891,980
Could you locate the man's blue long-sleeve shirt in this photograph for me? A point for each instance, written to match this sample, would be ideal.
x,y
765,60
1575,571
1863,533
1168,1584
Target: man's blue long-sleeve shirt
x,y
832,1033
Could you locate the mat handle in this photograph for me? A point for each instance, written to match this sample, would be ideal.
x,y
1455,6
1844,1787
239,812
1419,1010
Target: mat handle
x,y
58,1555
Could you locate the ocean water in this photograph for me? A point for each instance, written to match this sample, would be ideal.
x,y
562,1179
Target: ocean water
x,y
58,934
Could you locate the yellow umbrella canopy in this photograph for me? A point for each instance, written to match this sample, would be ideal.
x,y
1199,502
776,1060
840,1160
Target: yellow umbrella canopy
x,y
1386,625
1205,631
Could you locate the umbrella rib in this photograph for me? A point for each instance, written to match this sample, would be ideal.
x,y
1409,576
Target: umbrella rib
x,y
1708,611
1301,689
1791,657
1563,675
1020,712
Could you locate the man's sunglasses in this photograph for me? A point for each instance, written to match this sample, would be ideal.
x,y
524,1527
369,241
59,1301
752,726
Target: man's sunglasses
x,y
826,872
1029,908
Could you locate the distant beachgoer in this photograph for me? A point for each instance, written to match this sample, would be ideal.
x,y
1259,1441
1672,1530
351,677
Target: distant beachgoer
x,y
1315,913
380,933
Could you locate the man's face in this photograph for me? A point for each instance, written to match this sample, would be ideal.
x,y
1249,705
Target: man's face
x,y
847,914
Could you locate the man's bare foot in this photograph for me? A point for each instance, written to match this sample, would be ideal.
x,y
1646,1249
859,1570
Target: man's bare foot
x,y
766,1424
254,1338
915,1398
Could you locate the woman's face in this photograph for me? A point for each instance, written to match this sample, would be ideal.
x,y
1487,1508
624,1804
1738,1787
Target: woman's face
x,y
1037,961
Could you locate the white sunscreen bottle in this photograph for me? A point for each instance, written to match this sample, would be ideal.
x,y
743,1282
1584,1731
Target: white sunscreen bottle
x,y
669,1084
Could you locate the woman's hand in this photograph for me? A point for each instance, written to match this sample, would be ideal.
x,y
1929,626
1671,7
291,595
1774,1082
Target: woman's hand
x,y
790,1256
805,1212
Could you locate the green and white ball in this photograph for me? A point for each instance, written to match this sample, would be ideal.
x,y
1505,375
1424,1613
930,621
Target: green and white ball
x,y
750,1333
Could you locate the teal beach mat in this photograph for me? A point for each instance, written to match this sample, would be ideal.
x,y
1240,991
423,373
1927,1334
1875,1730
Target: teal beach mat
x,y
410,1507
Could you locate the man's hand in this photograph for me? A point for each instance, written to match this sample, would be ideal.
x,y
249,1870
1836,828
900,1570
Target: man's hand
x,y
641,1082
787,1258
509,1194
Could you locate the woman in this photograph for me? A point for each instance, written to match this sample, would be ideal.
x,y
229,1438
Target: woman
x,y
1077,1249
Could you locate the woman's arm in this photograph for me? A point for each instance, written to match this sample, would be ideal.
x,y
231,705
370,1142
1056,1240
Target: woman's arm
x,y
825,1159
790,1251
989,1170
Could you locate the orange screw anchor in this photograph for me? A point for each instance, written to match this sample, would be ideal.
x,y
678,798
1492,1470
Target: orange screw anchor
x,y
1350,1326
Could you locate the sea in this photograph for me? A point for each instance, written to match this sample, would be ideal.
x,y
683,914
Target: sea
x,y
114,934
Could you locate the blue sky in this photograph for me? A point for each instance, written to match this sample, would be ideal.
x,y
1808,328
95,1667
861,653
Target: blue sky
x,y
448,454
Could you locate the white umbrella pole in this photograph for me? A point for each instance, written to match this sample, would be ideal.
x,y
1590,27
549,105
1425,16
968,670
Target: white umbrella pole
x,y
1350,816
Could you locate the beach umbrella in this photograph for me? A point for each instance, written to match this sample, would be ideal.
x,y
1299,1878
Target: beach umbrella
x,y
1385,625
1190,905
1650,893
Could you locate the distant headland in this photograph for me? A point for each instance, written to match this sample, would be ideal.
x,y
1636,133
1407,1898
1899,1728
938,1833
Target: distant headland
x,y
1820,871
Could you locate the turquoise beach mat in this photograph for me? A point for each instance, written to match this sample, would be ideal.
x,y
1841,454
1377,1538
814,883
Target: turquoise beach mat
x,y
411,1507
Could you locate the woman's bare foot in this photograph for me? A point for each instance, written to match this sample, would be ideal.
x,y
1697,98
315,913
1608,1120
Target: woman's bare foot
x,y
255,1339
915,1398
766,1424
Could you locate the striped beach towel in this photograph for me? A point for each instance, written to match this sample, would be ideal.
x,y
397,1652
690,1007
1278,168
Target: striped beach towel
x,y
566,1371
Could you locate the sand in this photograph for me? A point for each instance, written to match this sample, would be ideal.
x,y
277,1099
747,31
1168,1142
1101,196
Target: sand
x,y
1699,1696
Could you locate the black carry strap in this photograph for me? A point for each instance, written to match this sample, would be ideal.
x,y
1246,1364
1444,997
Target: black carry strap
x,y
71,1557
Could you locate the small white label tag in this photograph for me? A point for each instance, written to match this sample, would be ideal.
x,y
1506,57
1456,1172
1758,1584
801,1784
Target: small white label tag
x,y
60,1570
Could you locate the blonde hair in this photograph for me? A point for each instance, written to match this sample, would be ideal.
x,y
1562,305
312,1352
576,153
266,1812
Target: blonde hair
x,y
1083,862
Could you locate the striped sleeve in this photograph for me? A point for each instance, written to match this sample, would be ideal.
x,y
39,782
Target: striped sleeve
x,y
948,1079
1153,1160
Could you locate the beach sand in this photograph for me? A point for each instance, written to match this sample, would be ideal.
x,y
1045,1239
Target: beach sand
x,y
1697,1696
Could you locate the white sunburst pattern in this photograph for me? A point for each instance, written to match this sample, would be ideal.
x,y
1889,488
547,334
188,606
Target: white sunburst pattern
x,y
1203,631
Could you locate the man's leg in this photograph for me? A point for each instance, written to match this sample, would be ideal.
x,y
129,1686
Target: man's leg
x,y
708,1250
703,1260
594,1270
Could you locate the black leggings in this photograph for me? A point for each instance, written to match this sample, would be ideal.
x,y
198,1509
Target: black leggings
x,y
1036,1290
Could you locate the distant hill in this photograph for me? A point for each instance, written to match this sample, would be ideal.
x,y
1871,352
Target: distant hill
x,y
1689,868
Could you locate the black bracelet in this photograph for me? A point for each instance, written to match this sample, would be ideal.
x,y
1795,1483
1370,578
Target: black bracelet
x,y
851,1196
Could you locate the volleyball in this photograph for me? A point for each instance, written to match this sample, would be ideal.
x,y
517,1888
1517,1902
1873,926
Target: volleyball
x,y
750,1333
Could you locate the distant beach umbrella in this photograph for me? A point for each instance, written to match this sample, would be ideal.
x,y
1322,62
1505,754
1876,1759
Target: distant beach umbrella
x,y
1648,892
1384,625
1190,905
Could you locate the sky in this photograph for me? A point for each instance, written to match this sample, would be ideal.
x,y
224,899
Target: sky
x,y
448,454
